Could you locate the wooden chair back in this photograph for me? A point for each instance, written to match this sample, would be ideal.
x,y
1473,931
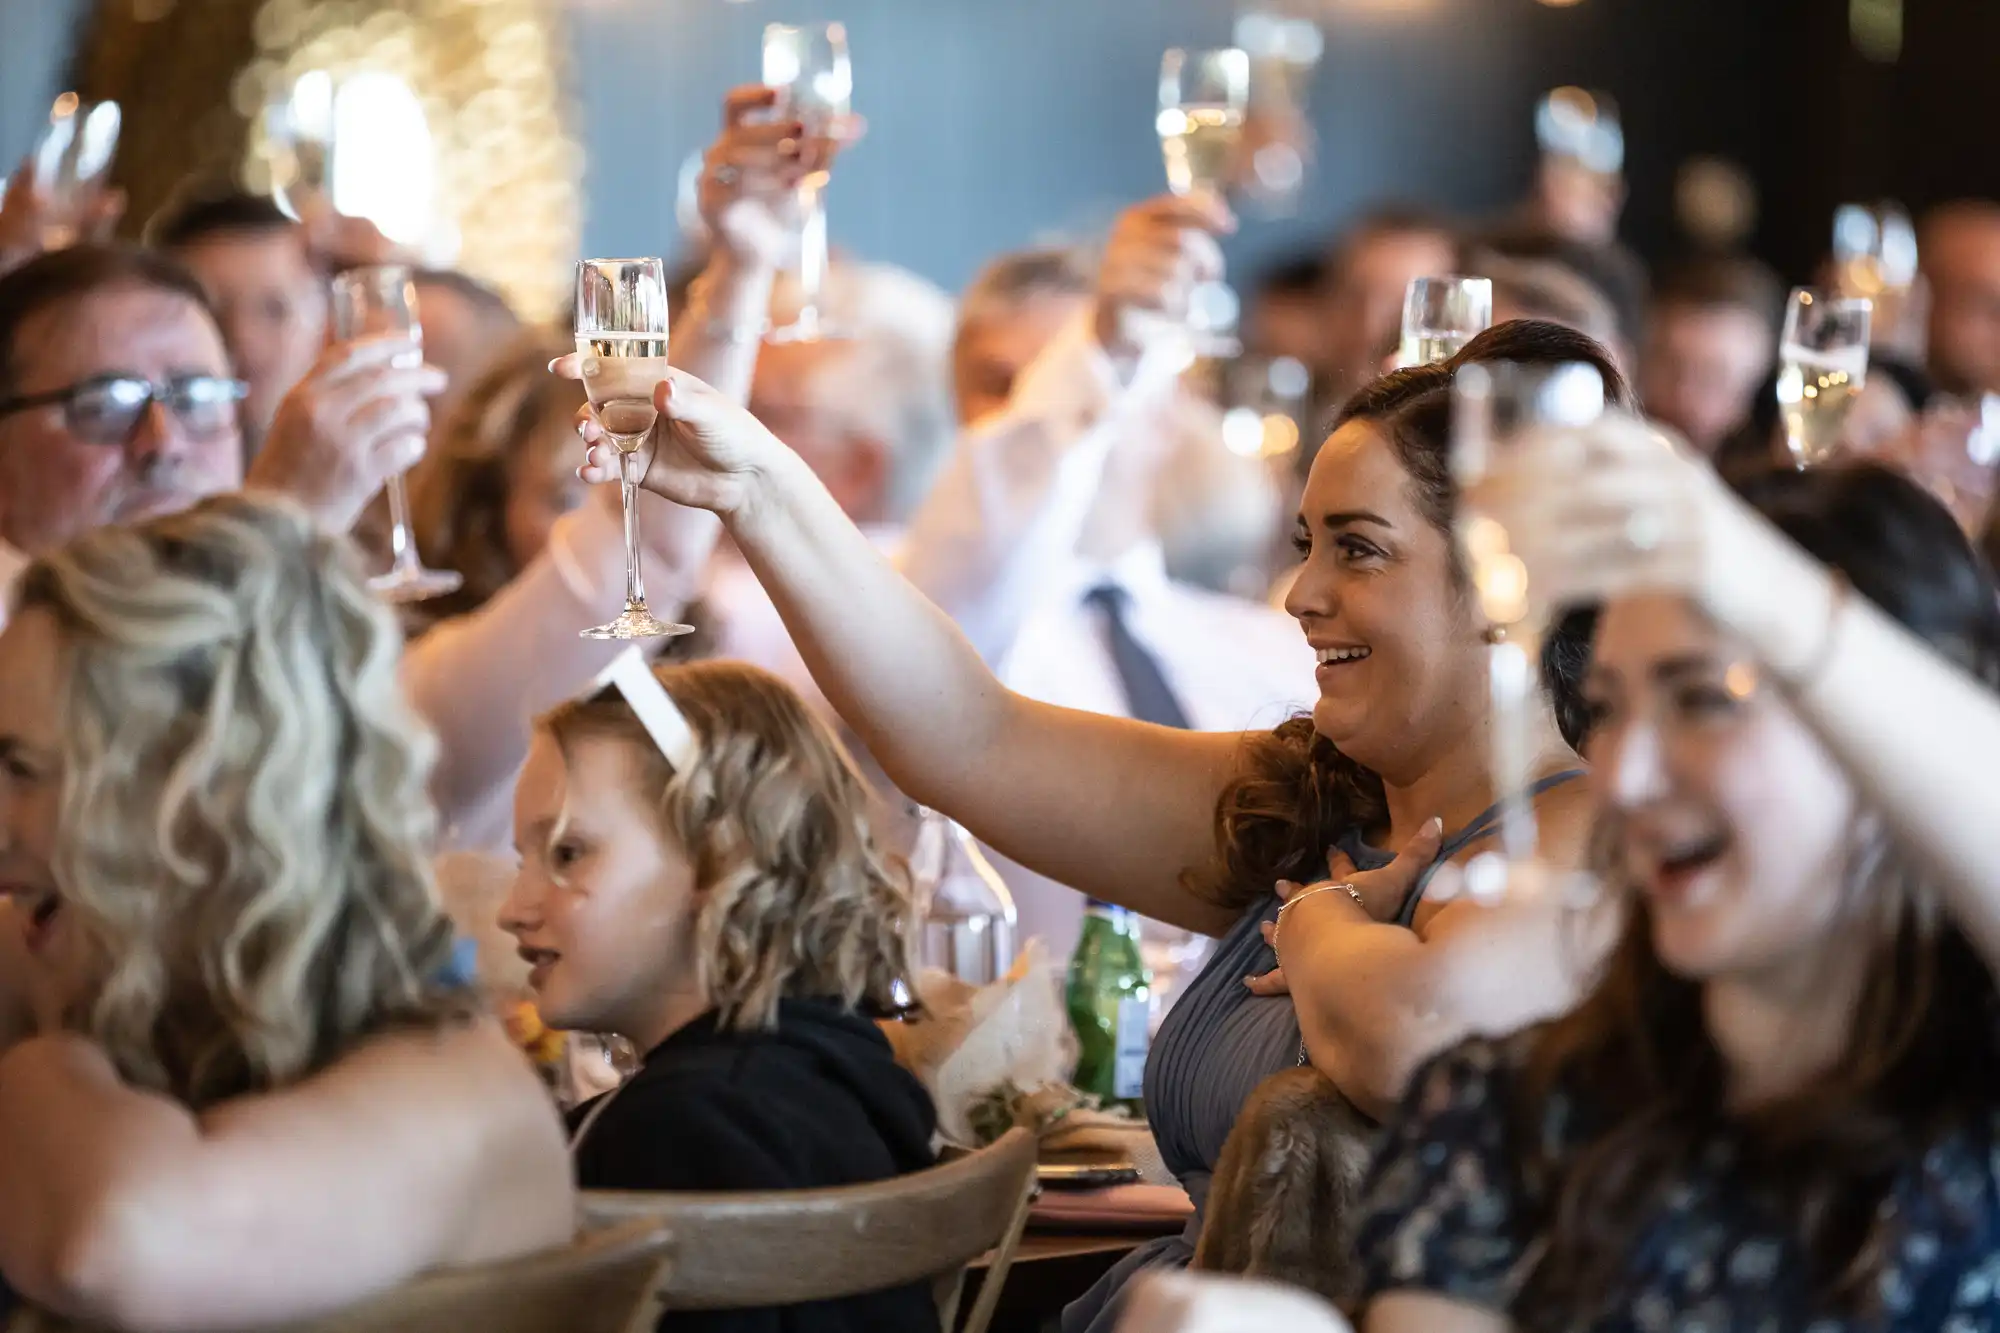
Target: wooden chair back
x,y
747,1250
609,1280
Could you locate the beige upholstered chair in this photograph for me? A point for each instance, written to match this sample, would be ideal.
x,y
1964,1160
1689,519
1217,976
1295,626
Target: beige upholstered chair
x,y
739,1251
607,1281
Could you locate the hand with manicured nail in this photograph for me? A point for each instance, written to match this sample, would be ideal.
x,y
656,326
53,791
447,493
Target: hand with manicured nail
x,y
752,172
707,452
358,418
1383,893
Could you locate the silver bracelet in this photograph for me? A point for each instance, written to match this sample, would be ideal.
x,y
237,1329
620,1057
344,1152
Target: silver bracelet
x,y
1304,894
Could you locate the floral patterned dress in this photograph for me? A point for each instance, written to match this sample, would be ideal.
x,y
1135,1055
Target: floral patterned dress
x,y
1446,1212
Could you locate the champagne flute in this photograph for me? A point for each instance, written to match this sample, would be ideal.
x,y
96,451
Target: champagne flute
x,y
1442,315
621,338
299,141
1204,96
809,67
1822,368
1499,412
1874,250
1284,42
71,160
375,300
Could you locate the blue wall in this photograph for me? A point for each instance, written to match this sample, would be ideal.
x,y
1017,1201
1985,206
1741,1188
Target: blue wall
x,y
995,122
34,46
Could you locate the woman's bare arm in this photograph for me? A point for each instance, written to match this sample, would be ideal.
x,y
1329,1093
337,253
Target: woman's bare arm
x,y
417,1151
1375,1000
1116,808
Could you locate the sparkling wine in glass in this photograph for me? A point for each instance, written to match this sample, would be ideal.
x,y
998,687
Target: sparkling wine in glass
x,y
71,159
621,339
1822,368
809,67
376,300
1204,96
1500,411
1442,315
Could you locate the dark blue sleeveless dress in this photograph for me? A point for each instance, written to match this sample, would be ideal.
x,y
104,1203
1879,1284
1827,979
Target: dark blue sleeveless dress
x,y
1217,1044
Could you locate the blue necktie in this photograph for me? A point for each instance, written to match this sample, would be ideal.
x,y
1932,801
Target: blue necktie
x,y
1148,697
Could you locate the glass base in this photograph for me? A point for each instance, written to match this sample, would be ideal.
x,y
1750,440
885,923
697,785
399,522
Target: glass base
x,y
636,623
414,583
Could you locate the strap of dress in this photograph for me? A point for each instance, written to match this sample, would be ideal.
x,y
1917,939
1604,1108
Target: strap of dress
x,y
1483,824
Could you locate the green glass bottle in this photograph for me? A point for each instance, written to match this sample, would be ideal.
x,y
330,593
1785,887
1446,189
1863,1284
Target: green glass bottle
x,y
1111,1007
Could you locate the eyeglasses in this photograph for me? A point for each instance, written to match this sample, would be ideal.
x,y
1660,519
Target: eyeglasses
x,y
107,409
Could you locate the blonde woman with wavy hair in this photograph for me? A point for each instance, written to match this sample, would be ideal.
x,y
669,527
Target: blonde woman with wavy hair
x,y
255,1094
699,875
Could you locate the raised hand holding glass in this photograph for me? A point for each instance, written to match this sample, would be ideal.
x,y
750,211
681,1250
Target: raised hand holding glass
x,y
1499,412
376,300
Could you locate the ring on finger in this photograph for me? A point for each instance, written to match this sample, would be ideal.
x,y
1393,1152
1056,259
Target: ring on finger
x,y
726,175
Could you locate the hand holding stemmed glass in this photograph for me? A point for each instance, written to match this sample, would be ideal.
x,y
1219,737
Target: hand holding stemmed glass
x,y
621,351
1502,412
1620,508
746,194
373,302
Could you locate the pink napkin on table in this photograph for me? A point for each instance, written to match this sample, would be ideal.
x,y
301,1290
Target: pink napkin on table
x,y
1150,1209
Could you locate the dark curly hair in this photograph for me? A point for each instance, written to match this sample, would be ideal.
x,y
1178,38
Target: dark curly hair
x,y
1923,1059
1294,792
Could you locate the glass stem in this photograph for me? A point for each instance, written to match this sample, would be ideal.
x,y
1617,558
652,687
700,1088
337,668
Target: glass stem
x,y
402,546
1513,682
812,250
628,485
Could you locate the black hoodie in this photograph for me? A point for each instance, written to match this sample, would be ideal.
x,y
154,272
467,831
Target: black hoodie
x,y
818,1101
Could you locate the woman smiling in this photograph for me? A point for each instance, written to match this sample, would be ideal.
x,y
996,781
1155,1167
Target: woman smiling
x,y
1195,829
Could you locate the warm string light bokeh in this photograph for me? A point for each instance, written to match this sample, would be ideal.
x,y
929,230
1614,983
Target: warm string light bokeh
x,y
505,169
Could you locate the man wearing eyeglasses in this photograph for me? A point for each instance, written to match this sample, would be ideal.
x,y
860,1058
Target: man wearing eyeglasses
x,y
118,402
